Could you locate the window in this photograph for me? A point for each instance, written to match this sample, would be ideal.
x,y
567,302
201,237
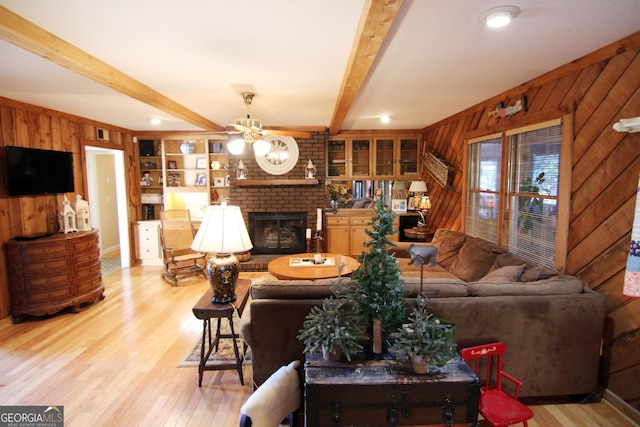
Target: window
x,y
521,213
485,160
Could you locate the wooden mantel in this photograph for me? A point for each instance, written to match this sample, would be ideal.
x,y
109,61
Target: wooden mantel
x,y
272,182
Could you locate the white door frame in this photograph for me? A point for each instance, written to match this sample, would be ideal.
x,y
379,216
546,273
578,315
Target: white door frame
x,y
121,196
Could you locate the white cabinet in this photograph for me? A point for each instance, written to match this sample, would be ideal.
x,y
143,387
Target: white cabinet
x,y
148,249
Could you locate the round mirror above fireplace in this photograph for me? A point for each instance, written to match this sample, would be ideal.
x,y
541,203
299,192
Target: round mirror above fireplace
x,y
282,157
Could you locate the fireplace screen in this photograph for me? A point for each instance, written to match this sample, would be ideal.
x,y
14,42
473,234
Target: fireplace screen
x,y
278,232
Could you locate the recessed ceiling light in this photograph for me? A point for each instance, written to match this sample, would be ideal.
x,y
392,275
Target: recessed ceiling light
x,y
385,119
499,16
155,121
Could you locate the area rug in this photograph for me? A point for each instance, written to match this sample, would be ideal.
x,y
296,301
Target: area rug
x,y
225,348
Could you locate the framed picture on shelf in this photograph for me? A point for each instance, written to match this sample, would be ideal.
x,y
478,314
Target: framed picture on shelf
x,y
171,164
201,179
399,205
410,205
173,180
201,163
218,181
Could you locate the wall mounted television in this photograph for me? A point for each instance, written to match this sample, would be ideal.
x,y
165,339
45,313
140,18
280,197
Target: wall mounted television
x,y
34,171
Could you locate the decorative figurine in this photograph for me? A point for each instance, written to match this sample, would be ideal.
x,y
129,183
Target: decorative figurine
x,y
146,180
66,217
83,218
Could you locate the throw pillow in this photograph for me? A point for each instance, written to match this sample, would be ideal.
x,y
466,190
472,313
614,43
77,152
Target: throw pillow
x,y
508,274
474,259
276,398
448,243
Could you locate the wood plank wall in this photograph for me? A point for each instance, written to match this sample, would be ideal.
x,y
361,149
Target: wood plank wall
x,y
26,125
597,90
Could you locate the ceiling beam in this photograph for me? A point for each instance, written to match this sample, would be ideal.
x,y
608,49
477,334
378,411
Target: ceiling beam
x,y
26,35
377,17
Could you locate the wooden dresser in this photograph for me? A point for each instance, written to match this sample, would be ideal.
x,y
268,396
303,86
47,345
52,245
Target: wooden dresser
x,y
55,272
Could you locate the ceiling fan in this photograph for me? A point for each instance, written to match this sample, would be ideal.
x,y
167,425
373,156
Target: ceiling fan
x,y
252,131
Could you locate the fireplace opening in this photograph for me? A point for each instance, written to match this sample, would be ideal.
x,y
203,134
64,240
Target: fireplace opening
x,y
278,232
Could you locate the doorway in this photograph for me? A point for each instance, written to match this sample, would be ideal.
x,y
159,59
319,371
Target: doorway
x,y
108,201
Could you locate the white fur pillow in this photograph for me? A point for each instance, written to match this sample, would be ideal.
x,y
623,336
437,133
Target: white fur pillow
x,y
276,398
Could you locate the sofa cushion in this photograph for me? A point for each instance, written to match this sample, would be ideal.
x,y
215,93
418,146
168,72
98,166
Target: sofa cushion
x,y
508,274
560,284
449,244
268,286
532,271
475,258
436,285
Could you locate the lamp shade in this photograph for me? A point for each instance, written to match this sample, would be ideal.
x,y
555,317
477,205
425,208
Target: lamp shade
x,y
418,187
222,231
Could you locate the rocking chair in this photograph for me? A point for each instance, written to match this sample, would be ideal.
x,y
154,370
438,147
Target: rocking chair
x,y
176,234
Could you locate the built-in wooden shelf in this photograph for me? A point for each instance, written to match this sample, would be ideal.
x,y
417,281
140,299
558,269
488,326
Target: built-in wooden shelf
x,y
272,182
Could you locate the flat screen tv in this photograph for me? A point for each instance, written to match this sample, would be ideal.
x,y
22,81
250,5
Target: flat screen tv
x,y
33,171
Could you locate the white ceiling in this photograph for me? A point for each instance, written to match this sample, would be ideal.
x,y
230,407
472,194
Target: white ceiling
x,y
437,59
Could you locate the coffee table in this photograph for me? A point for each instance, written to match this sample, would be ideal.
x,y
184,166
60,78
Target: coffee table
x,y
280,268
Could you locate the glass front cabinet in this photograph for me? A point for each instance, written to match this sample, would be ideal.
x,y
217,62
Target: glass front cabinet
x,y
349,158
384,157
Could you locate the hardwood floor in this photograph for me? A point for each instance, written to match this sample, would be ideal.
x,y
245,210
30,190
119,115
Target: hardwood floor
x,y
114,363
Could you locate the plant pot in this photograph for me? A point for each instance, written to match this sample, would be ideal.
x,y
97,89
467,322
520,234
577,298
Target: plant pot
x,y
419,365
332,354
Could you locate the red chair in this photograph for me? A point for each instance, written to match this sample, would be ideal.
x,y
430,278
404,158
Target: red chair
x,y
497,406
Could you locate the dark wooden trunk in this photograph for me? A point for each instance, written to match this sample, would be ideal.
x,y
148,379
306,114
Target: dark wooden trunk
x,y
388,393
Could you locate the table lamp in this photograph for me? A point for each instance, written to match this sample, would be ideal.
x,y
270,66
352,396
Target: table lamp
x,y
223,234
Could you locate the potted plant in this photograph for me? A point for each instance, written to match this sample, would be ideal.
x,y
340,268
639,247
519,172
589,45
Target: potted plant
x,y
427,341
380,292
335,328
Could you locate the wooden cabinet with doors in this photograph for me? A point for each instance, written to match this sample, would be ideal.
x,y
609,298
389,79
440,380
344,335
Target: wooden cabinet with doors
x,y
346,232
349,158
395,157
377,157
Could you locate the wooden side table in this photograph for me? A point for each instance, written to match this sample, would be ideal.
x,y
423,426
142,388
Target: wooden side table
x,y
206,310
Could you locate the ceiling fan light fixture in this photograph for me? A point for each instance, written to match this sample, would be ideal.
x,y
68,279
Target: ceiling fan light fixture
x,y
499,16
261,147
236,146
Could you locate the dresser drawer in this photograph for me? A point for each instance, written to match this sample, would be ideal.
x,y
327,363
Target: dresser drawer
x,y
44,251
85,244
49,281
85,256
46,266
89,272
50,295
87,286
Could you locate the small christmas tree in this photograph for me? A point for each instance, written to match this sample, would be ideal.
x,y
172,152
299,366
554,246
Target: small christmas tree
x,y
380,292
335,328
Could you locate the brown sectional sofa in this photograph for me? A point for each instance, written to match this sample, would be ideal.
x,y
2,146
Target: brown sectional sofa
x,y
551,323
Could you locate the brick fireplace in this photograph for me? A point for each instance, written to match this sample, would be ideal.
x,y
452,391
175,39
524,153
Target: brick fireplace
x,y
267,194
